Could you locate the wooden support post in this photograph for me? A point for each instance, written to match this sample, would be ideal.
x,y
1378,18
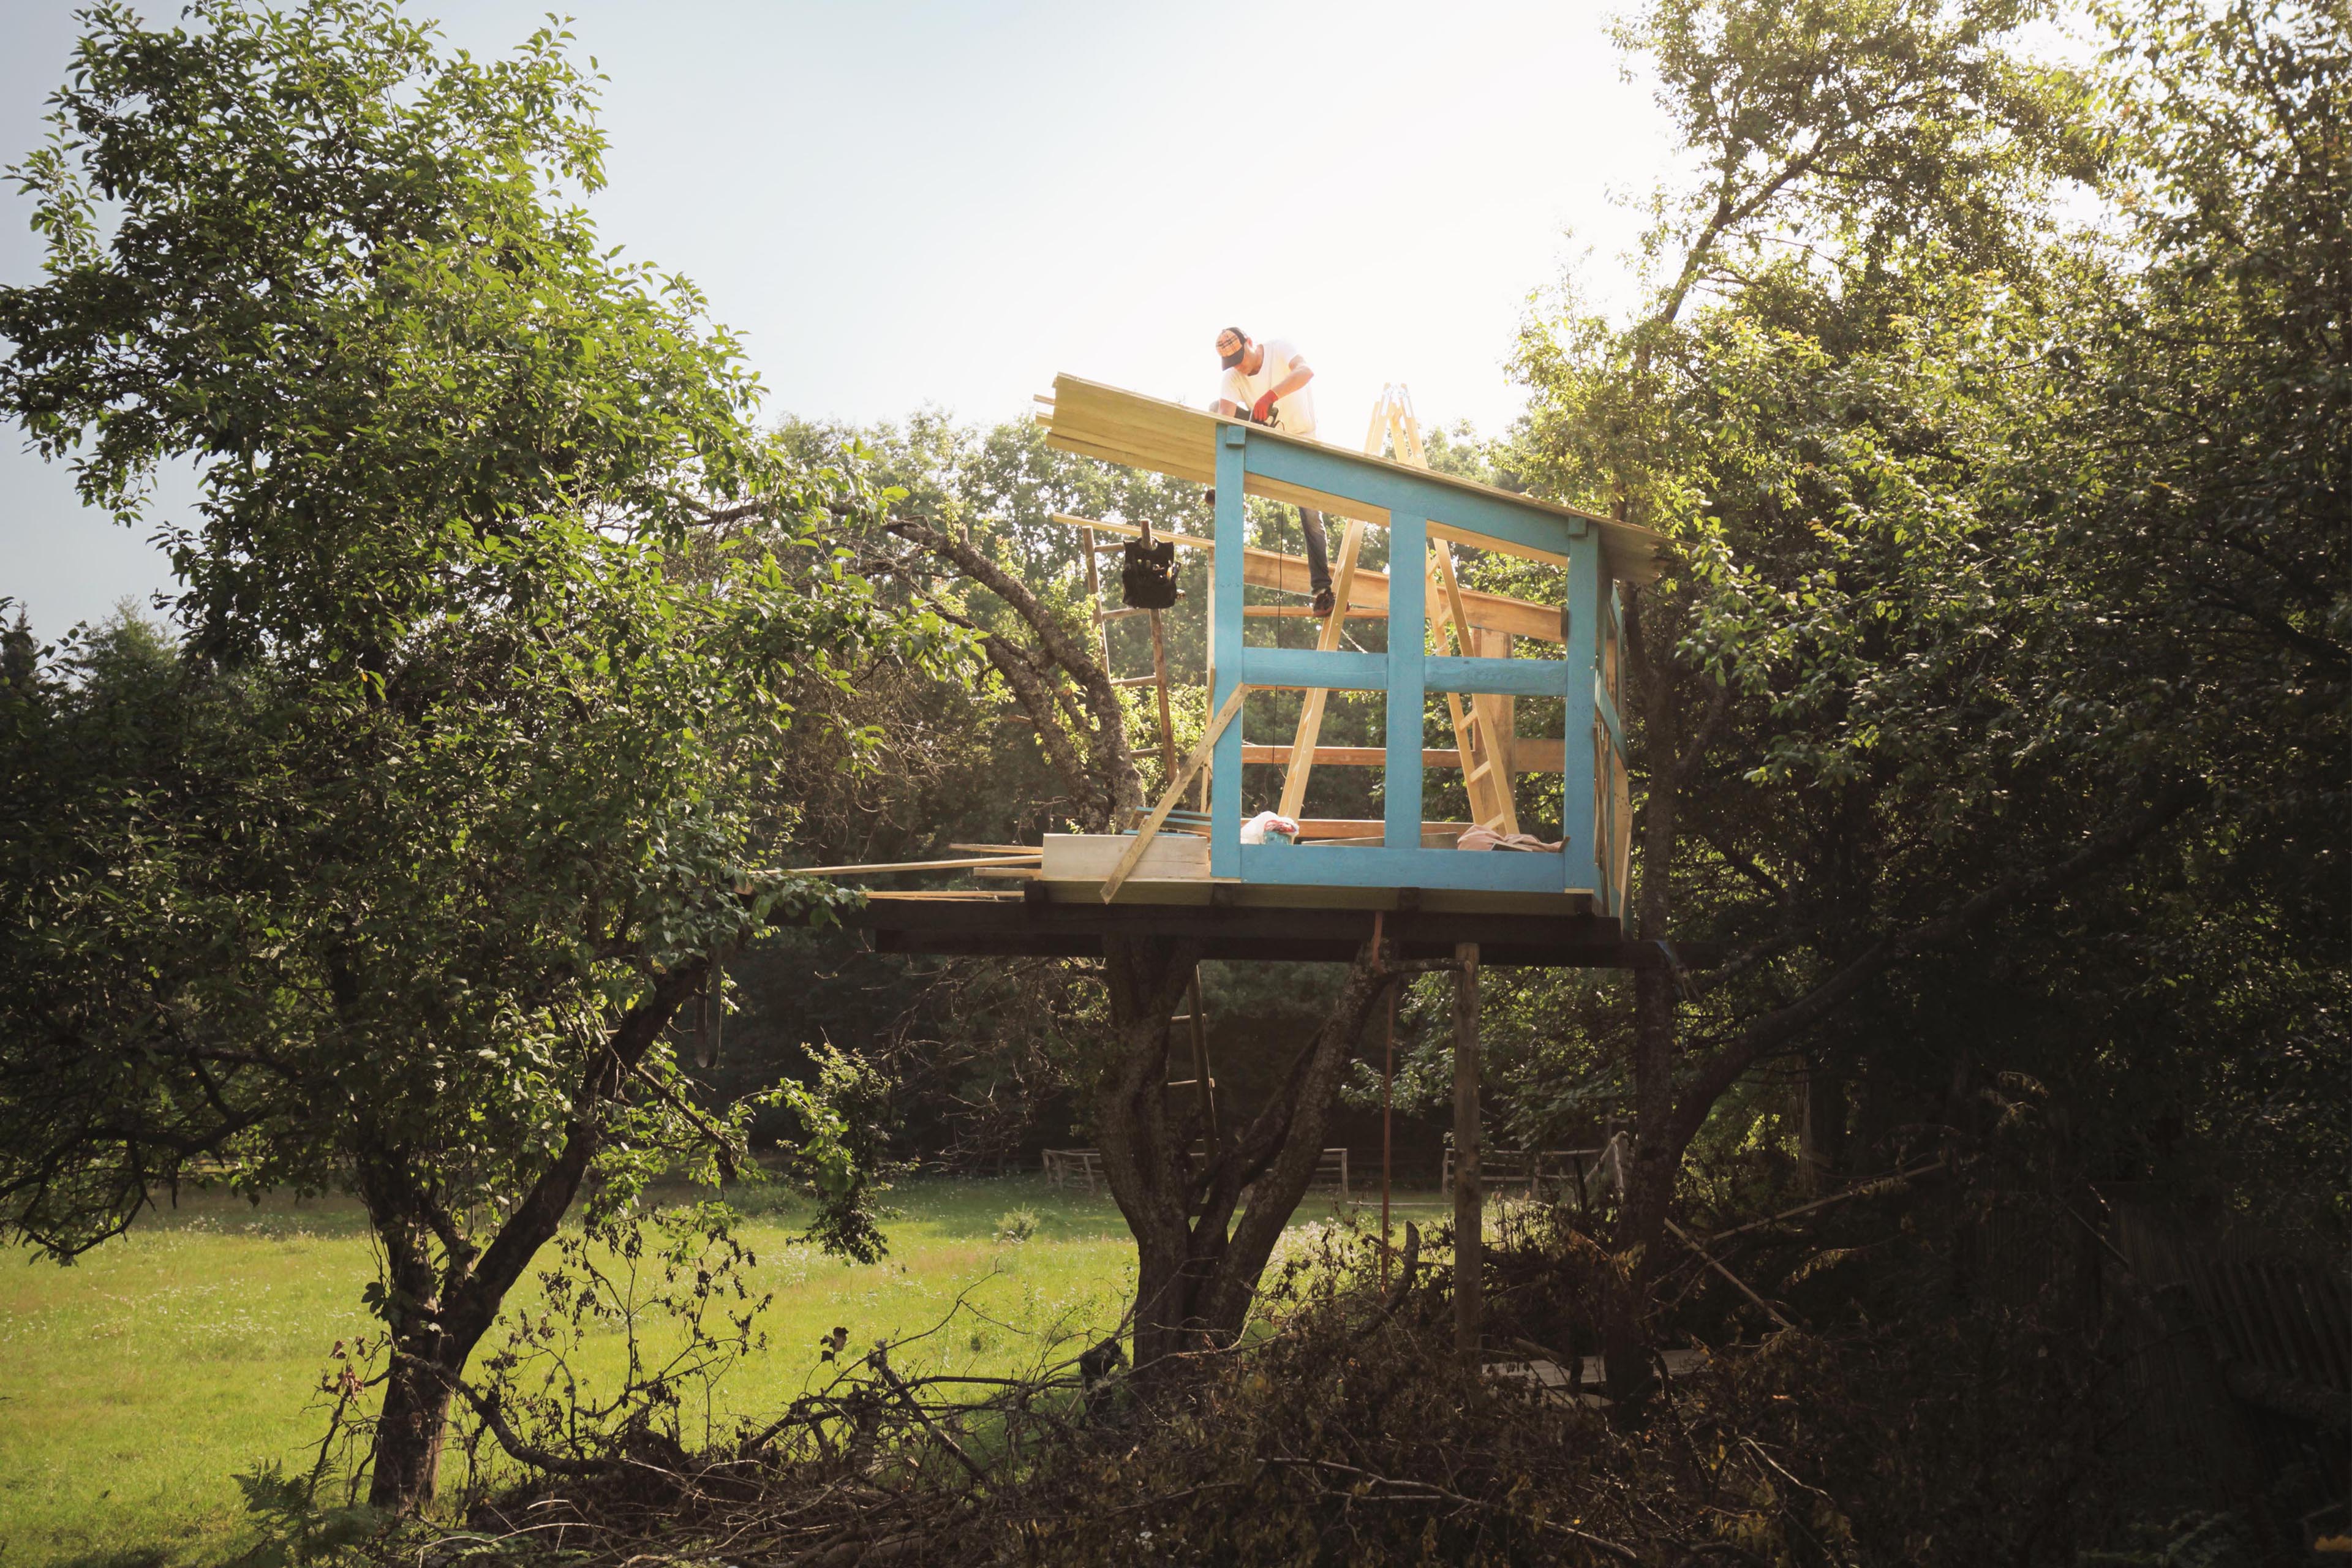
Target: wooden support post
x,y
1469,1198
1160,672
1407,668
1225,653
1388,1082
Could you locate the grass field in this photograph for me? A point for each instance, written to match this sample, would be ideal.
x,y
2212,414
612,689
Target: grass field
x,y
136,1384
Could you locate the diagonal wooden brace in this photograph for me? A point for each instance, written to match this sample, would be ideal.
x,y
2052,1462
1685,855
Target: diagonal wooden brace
x,y
1193,765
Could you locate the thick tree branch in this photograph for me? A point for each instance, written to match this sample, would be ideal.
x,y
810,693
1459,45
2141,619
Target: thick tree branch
x,y
1112,762
1719,1071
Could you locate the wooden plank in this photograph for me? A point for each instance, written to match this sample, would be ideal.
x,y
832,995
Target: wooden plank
x,y
1497,718
1307,668
1193,765
1093,856
1322,827
1384,866
1528,756
1504,677
1287,574
908,866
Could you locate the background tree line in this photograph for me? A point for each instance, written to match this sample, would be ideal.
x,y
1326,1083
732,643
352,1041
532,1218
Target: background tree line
x,y
1993,716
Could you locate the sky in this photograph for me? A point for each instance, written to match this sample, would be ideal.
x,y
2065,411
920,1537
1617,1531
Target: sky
x,y
901,205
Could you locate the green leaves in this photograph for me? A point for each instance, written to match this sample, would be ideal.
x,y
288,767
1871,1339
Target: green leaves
x,y
843,1116
390,874
1990,531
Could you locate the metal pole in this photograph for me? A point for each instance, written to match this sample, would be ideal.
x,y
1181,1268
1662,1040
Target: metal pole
x,y
1469,1240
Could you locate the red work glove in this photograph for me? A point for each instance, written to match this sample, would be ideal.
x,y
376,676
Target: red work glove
x,y
1263,409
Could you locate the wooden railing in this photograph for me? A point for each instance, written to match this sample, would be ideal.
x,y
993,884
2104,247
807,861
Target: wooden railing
x,y
1594,1176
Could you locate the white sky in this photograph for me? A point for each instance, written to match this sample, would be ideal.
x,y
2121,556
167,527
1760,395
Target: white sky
x,y
901,204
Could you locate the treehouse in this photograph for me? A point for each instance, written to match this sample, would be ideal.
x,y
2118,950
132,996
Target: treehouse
x,y
1182,867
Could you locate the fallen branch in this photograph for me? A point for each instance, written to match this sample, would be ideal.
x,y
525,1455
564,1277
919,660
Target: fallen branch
x,y
1432,1491
1402,1287
880,1362
510,1439
1860,1190
1740,1285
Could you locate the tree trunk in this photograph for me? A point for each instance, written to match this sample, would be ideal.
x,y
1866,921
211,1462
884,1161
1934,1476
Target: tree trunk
x,y
437,1314
1821,1138
415,1416
1197,1263
1670,751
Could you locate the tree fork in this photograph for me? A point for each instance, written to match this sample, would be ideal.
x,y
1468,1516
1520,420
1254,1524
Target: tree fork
x,y
1200,1254
436,1321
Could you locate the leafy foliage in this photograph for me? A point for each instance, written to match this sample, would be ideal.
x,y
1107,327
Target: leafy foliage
x,y
392,878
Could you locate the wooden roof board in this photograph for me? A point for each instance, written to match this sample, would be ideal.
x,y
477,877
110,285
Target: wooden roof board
x,y
1120,427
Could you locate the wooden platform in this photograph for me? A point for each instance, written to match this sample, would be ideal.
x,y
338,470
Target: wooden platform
x,y
1234,922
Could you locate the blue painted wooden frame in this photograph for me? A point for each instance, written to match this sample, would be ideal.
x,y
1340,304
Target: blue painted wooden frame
x,y
1406,672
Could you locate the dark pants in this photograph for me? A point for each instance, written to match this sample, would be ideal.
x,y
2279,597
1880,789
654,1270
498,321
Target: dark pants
x,y
1319,550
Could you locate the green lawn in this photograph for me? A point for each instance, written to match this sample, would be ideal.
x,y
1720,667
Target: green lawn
x,y
135,1384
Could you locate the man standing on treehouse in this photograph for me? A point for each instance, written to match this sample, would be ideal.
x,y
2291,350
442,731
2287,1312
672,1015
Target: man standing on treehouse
x,y
1267,382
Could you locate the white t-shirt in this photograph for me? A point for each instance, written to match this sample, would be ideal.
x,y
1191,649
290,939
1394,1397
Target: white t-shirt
x,y
1294,415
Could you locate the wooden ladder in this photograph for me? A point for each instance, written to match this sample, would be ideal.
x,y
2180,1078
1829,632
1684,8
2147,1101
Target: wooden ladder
x,y
1202,1079
1482,727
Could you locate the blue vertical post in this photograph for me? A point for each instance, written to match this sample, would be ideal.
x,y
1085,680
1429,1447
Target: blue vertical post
x,y
1587,584
1225,654
1408,638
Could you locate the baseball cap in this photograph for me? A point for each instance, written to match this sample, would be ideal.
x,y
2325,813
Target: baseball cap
x,y
1234,358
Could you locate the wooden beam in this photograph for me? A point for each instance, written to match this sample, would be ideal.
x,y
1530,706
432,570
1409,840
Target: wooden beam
x,y
1469,1195
1272,569
1536,756
1303,613
1321,827
1027,857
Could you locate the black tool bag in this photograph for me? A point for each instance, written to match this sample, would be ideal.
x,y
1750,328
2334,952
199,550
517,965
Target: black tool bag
x,y
1147,574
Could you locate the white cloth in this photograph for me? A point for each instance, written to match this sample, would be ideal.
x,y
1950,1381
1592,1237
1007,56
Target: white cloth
x,y
1294,415
1265,825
